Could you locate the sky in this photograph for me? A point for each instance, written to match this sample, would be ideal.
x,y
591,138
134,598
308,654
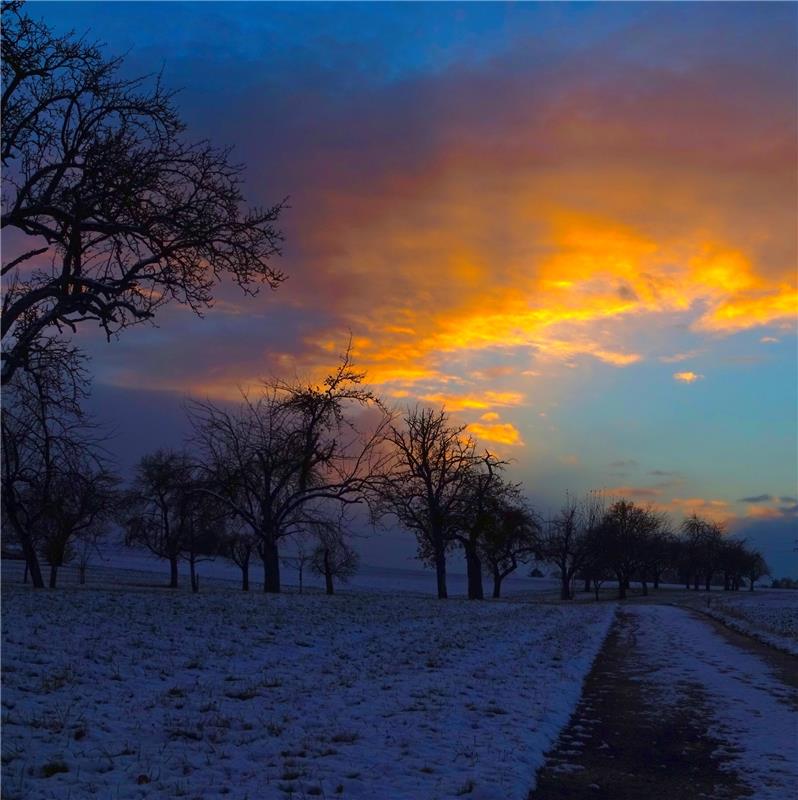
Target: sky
x,y
572,224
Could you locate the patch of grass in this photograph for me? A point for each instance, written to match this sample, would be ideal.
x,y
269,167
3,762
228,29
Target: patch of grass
x,y
466,788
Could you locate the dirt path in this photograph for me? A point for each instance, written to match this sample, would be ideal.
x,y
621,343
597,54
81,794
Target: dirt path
x,y
674,707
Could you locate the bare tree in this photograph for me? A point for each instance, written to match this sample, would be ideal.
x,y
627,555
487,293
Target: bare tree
x,y
238,545
704,540
156,507
484,493
80,502
333,557
301,558
623,535
44,434
510,539
274,457
203,522
755,568
654,549
565,539
118,214
427,483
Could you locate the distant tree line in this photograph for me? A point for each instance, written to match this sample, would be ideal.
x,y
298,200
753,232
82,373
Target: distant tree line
x,y
624,542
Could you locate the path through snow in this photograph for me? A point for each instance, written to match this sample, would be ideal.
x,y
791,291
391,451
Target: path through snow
x,y
674,708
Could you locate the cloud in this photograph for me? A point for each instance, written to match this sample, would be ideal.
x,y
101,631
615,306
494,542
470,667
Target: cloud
x,y
759,498
634,492
687,377
501,433
677,357
490,416
714,509
486,399
553,206
769,340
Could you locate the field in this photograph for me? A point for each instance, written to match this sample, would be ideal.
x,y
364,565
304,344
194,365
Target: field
x,y
770,615
128,693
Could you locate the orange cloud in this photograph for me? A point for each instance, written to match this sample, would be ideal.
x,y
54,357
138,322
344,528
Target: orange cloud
x,y
763,512
501,433
487,399
687,377
716,510
634,492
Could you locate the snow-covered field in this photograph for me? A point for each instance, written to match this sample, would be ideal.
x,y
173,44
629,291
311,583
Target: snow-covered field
x,y
122,565
770,615
122,693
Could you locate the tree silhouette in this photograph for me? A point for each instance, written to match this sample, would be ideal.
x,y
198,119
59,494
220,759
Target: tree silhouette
x,y
116,212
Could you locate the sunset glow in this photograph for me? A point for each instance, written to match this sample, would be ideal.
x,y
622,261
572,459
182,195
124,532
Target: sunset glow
x,y
574,227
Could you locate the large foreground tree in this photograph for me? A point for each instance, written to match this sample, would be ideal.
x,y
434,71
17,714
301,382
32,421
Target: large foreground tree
x,y
112,213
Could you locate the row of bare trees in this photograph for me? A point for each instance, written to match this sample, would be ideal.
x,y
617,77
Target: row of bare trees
x,y
623,542
292,462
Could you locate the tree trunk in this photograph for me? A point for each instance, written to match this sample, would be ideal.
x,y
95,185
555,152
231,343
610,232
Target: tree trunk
x,y
751,585
193,571
656,580
474,569
565,585
708,581
587,583
440,574
271,567
173,572
696,582
328,576
596,588
645,587
25,573
245,576
53,575
31,560
497,583
621,588
82,574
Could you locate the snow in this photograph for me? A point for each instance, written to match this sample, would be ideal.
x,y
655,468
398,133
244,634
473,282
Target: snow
x,y
133,693
117,564
751,710
770,615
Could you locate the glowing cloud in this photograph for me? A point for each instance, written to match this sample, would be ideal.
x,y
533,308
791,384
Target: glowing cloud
x,y
687,377
501,433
